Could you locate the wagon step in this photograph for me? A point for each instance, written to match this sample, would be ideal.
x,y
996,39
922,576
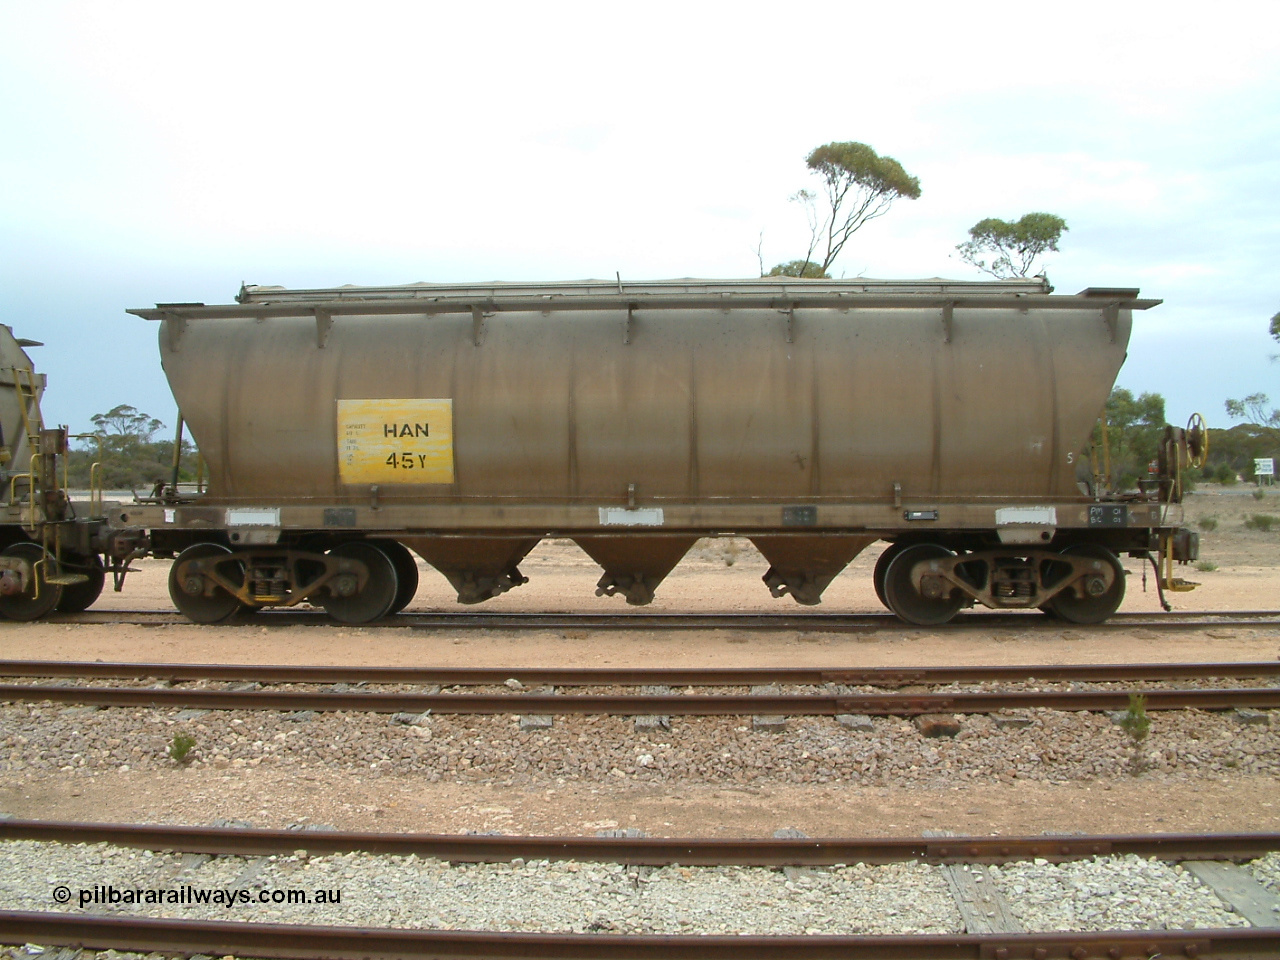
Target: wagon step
x,y
66,579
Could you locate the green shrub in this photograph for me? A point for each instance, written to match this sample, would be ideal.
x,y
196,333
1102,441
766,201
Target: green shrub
x,y
1225,475
1207,524
1259,494
180,746
1206,566
1135,721
1137,725
1261,521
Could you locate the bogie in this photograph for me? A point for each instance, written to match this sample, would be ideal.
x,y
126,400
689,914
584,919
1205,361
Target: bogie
x,y
1082,583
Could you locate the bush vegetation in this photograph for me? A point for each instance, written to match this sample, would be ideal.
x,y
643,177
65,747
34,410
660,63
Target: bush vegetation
x,y
131,457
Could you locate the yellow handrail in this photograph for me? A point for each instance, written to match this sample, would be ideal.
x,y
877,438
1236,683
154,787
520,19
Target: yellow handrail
x,y
35,576
31,494
95,490
13,484
96,493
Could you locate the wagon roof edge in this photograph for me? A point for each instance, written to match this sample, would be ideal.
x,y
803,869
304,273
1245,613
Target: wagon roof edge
x,y
266,302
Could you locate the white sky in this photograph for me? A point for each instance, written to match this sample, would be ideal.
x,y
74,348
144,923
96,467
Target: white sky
x,y
166,152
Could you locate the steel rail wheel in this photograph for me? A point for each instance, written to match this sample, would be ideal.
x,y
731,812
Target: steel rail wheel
x,y
406,572
905,600
1091,608
40,596
78,597
196,598
882,565
380,589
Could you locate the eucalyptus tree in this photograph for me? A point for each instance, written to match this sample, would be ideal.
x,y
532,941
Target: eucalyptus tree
x,y
1256,408
856,185
1007,249
798,268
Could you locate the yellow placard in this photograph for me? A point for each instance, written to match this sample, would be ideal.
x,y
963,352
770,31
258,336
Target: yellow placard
x,y
395,441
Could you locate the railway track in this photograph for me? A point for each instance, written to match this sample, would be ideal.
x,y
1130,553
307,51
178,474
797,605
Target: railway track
x,y
886,704
823,701
636,676
988,927
647,851
304,942
824,623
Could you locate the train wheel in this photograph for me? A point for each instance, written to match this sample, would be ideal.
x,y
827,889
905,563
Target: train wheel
x,y
40,597
882,565
907,602
188,593
77,597
1091,609
406,572
380,590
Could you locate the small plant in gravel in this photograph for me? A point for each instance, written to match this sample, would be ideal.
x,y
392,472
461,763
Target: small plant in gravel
x,y
1137,725
731,551
1261,521
1208,524
1259,494
180,747
1206,566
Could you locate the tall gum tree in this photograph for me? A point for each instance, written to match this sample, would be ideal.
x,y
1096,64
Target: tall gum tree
x,y
857,185
1007,249
1254,408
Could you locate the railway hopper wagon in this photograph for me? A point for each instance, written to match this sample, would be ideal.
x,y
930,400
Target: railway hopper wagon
x,y
345,427
50,546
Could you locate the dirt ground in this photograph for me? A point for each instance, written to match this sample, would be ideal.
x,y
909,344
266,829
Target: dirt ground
x,y
1240,571
275,798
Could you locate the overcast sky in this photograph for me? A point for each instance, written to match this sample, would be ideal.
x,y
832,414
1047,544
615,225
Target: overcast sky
x,y
167,152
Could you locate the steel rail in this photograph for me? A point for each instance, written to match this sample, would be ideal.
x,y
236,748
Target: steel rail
x,y
817,623
637,676
647,851
304,942
821,704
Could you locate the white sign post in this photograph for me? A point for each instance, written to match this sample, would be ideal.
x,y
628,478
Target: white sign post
x,y
1265,470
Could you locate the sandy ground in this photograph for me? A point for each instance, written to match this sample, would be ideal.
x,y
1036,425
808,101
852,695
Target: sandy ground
x,y
717,576
275,798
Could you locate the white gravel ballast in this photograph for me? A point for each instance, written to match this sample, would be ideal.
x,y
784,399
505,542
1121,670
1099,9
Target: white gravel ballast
x,y
1104,893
